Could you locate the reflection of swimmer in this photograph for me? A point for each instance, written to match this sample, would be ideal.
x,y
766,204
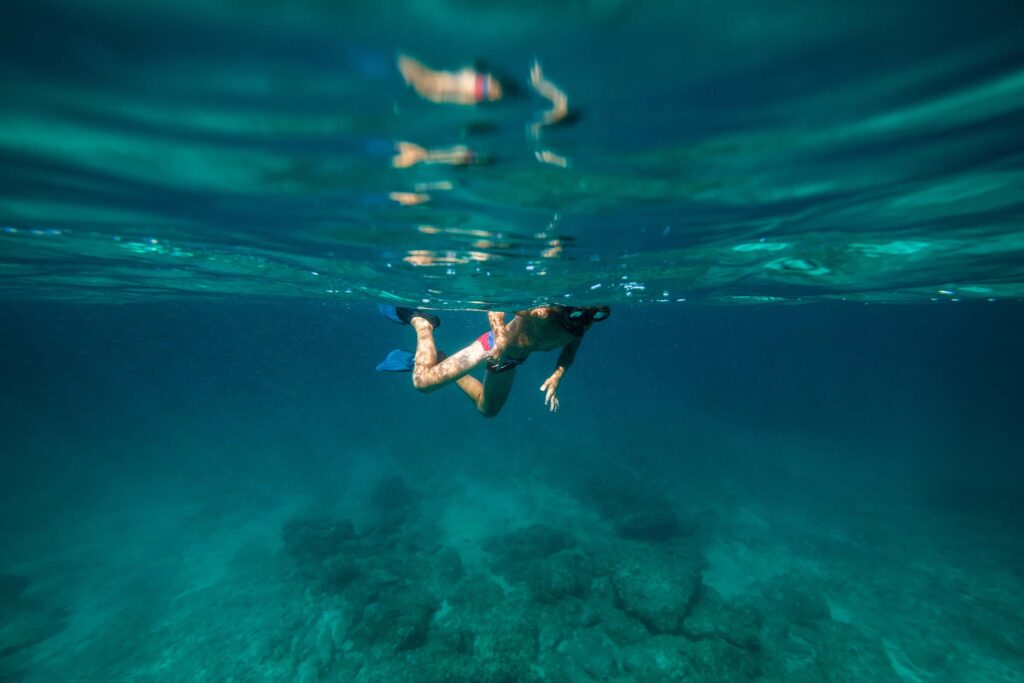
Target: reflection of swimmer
x,y
546,156
409,198
503,348
409,154
548,90
465,86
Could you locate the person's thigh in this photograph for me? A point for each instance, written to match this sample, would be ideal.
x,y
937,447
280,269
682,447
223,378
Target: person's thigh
x,y
497,386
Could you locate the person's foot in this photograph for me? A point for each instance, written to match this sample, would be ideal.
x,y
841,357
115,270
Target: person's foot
x,y
420,322
418,318
406,316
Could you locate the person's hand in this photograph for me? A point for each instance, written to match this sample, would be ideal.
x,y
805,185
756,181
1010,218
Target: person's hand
x,y
551,386
497,321
536,75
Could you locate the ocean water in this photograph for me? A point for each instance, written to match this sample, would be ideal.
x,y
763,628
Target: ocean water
x,y
792,453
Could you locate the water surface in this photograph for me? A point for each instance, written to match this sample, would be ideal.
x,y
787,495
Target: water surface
x,y
735,152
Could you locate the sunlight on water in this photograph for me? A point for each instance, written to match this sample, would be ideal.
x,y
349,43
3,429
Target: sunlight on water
x,y
601,151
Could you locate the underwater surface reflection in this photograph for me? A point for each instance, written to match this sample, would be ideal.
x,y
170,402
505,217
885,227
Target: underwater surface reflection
x,y
470,155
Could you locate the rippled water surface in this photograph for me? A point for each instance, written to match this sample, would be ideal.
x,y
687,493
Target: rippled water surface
x,y
729,152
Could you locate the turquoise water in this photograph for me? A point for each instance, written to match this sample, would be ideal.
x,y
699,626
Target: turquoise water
x,y
204,479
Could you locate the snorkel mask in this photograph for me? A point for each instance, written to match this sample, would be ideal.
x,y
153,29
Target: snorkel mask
x,y
576,321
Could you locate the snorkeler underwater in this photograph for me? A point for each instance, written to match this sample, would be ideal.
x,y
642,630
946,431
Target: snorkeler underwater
x,y
503,348
738,287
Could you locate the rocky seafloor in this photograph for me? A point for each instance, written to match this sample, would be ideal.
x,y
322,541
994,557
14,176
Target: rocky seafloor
x,y
621,599
600,579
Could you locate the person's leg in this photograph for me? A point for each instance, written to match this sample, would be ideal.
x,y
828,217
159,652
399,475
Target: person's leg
x,y
495,390
490,395
428,374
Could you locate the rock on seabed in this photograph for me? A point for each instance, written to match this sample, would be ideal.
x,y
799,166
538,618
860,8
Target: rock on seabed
x,y
658,588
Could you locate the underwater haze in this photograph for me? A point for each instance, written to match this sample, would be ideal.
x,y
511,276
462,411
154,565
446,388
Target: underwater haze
x,y
793,451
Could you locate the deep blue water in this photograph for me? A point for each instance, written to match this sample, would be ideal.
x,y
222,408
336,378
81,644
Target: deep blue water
x,y
933,390
792,453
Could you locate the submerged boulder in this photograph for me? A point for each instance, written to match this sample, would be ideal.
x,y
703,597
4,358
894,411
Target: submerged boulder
x,y
536,556
637,510
556,577
505,651
716,661
338,573
494,640
623,629
590,652
654,523
656,659
533,542
398,621
657,588
676,658
713,618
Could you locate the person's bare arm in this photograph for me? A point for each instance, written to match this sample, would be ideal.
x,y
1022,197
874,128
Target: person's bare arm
x,y
565,359
549,91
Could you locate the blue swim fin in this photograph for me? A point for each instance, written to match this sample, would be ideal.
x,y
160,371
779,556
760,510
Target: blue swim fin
x,y
398,361
391,313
